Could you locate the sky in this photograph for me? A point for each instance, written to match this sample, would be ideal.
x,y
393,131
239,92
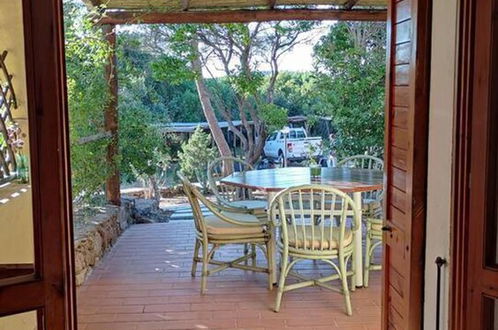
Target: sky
x,y
299,59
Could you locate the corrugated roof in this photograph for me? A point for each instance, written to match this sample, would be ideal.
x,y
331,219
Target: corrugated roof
x,y
177,127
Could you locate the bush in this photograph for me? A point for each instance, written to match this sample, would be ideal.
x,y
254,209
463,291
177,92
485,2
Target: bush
x,y
195,157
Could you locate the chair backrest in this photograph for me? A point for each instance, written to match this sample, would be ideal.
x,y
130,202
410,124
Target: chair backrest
x,y
315,216
362,161
222,167
190,190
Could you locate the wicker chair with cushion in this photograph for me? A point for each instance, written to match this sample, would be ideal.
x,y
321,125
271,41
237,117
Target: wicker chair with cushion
x,y
225,226
373,240
230,196
370,199
240,199
362,161
373,237
331,239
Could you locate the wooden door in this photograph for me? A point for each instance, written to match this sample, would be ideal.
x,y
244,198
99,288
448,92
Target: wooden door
x,y
36,286
479,304
409,23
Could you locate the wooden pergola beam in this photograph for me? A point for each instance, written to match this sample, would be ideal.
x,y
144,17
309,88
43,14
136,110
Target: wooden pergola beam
x,y
349,4
240,16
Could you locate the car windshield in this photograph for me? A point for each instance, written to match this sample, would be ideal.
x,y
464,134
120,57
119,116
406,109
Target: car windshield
x,y
272,137
300,135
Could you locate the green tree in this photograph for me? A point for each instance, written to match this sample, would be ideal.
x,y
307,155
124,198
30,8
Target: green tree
x,y
350,64
196,155
86,55
239,49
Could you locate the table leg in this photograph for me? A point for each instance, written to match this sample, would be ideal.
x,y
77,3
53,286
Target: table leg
x,y
273,242
358,258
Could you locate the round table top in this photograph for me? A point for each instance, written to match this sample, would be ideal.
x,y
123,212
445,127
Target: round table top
x,y
271,180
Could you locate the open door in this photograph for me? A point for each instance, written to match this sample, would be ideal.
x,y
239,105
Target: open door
x,y
36,277
475,245
409,23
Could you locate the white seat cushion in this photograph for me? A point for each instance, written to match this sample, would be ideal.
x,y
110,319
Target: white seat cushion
x,y
316,241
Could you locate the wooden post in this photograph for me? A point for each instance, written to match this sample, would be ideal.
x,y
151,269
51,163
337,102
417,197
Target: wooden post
x,y
112,189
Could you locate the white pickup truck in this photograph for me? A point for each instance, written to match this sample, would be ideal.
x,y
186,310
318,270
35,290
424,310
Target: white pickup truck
x,y
298,145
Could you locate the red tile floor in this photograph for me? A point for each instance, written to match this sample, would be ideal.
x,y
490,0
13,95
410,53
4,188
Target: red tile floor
x,y
144,282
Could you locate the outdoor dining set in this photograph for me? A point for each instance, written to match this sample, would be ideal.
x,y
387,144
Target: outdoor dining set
x,y
323,216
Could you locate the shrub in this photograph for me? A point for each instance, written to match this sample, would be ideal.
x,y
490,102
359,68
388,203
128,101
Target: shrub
x,y
195,157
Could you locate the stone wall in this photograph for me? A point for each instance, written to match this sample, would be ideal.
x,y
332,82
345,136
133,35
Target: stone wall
x,y
141,192
97,235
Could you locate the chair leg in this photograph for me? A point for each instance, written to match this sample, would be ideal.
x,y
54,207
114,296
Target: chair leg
x,y
281,282
196,256
246,252
205,262
270,262
253,255
368,260
345,289
353,268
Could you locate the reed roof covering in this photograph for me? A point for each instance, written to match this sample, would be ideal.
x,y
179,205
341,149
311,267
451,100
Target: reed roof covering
x,y
180,5
220,11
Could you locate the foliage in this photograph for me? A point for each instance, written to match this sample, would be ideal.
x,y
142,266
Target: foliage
x,y
297,92
86,54
158,84
350,63
273,116
159,165
141,146
141,104
196,155
239,50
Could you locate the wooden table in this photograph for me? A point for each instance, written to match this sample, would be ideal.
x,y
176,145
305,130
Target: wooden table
x,y
349,180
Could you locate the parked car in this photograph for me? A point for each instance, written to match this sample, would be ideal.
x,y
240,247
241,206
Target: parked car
x,y
299,145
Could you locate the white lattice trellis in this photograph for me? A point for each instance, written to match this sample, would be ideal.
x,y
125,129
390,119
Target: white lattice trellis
x,y
8,127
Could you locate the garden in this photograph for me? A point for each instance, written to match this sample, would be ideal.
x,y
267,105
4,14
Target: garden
x,y
212,73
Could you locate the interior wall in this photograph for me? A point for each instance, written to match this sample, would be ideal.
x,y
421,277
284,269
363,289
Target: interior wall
x,y
442,103
24,321
16,225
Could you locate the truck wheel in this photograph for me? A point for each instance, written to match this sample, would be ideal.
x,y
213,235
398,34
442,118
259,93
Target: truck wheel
x,y
280,159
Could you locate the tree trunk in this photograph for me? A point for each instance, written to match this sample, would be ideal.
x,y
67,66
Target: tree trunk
x,y
156,191
207,107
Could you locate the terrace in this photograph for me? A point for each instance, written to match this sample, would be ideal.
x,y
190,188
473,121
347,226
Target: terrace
x,y
144,282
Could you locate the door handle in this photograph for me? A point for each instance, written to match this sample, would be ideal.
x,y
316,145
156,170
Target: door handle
x,y
440,262
387,228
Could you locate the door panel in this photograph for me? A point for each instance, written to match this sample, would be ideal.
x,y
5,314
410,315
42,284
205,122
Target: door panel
x,y
482,285
40,279
406,162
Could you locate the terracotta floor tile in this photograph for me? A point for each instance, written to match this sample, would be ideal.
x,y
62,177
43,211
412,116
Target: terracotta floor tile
x,y
144,283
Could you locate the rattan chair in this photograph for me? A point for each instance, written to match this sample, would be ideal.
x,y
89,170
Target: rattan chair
x,y
240,199
331,240
362,161
224,227
373,237
231,196
365,162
